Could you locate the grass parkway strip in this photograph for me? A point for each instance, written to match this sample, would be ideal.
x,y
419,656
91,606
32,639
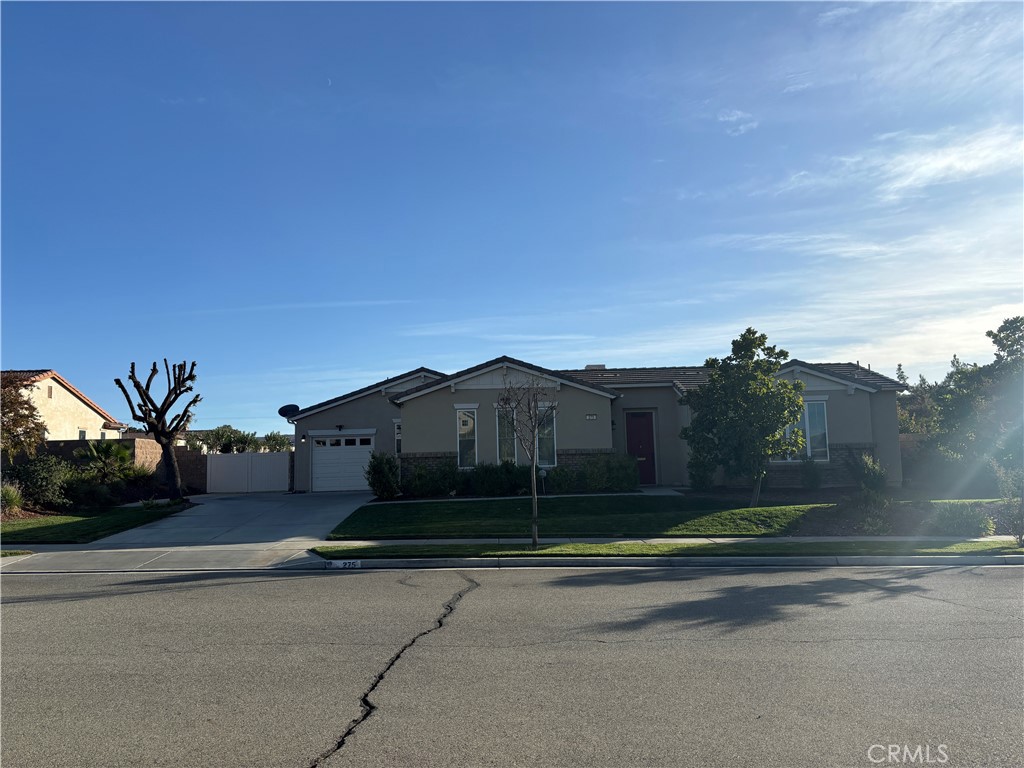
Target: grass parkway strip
x,y
688,549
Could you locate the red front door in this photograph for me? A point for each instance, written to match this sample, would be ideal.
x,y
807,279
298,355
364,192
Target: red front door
x,y
640,444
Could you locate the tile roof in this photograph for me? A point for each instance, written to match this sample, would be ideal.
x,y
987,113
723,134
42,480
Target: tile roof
x,y
689,377
365,390
683,377
853,372
564,375
41,374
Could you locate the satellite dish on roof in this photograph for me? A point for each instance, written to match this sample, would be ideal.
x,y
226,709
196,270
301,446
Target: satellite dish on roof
x,y
287,411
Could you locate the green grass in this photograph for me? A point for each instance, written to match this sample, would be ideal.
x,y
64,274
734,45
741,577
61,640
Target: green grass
x,y
627,516
12,552
81,526
567,516
629,549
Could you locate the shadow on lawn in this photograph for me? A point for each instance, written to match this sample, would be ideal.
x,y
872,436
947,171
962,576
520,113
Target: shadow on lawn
x,y
751,603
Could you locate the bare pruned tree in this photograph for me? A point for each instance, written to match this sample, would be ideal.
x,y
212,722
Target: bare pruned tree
x,y
527,407
156,415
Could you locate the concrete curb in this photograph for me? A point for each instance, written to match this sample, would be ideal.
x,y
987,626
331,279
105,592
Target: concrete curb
x,y
671,562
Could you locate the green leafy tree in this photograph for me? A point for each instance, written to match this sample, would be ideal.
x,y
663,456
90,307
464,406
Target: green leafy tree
x,y
275,442
916,408
21,427
981,406
742,416
161,424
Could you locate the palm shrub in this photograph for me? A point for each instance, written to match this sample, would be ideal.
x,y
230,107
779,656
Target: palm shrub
x,y
105,461
382,475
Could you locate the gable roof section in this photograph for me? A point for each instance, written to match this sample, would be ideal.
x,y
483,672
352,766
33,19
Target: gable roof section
x,y
498,362
380,385
34,376
683,377
848,373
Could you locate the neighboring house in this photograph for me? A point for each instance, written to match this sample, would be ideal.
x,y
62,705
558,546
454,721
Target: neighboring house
x,y
636,411
67,413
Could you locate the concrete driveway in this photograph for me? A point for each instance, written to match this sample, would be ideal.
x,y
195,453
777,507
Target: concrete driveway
x,y
255,530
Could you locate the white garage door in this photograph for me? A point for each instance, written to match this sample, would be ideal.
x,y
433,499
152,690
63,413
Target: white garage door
x,y
338,463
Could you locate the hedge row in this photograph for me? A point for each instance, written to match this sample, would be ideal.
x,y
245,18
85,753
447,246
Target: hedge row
x,y
597,474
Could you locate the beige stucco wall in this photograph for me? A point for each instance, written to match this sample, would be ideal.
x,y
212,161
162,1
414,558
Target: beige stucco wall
x,y
429,425
859,417
671,452
64,414
371,411
886,426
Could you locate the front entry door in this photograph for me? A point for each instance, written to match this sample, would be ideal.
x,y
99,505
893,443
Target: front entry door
x,y
640,444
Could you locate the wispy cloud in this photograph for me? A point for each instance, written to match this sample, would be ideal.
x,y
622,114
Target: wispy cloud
x,y
835,15
740,122
907,164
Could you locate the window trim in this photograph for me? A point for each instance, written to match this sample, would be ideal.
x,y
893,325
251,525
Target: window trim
x,y
807,420
398,436
498,411
458,439
553,413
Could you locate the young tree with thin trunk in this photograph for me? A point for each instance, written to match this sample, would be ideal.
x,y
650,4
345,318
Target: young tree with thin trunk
x,y
741,414
527,403
157,417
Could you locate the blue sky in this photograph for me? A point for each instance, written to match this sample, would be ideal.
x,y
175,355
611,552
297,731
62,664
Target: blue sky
x,y
309,198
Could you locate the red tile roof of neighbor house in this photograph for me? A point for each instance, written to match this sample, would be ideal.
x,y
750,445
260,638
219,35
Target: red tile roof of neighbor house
x,y
42,374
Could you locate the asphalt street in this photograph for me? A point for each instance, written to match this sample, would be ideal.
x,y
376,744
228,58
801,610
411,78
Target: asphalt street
x,y
533,667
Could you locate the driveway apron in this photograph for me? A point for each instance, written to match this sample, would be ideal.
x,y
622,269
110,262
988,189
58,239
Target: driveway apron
x,y
256,530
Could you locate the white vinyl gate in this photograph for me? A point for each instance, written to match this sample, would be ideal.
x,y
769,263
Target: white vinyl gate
x,y
247,472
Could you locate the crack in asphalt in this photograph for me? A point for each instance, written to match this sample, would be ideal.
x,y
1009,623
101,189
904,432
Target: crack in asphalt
x,y
368,706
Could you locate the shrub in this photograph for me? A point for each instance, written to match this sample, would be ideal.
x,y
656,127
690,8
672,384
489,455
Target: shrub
x,y
382,475
84,491
867,474
1010,515
563,480
10,497
951,518
505,479
43,480
810,473
437,481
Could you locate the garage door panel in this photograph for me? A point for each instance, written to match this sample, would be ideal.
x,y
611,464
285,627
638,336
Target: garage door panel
x,y
339,463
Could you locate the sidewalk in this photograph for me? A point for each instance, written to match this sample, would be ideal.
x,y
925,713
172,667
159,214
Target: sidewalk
x,y
294,554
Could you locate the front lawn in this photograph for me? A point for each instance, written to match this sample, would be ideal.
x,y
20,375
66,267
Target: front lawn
x,y
638,516
614,516
81,527
687,549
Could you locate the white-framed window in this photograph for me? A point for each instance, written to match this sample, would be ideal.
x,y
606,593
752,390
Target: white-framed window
x,y
814,425
465,423
398,436
546,455
507,443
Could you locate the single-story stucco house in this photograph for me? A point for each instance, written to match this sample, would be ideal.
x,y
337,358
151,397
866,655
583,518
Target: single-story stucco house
x,y
426,417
